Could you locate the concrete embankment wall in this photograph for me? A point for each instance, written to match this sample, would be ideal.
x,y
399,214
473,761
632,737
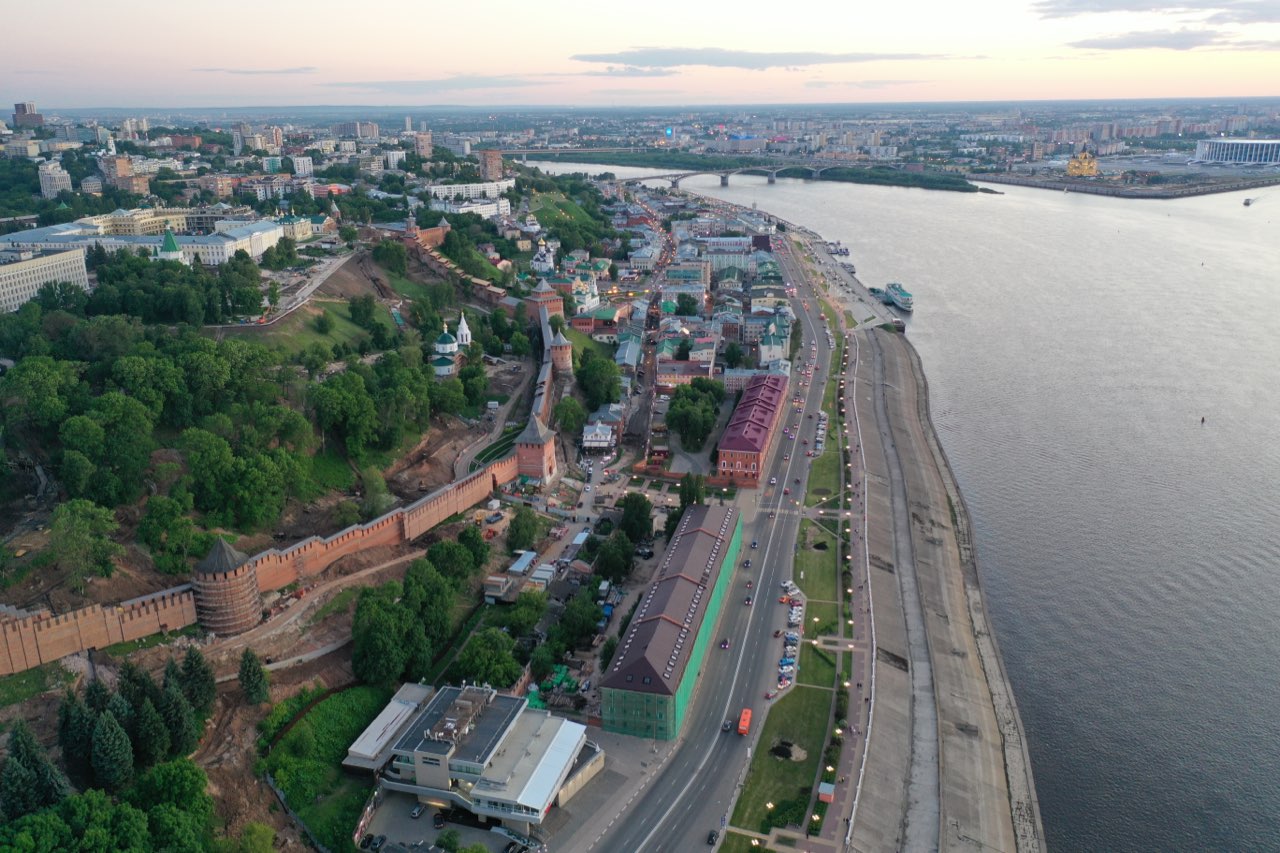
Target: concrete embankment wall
x,y
40,638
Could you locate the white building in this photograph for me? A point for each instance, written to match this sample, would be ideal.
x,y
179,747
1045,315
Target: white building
x,y
480,207
394,158
229,237
24,272
303,167
1239,151
53,179
479,750
484,189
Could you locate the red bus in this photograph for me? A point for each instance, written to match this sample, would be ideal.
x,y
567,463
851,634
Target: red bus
x,y
744,721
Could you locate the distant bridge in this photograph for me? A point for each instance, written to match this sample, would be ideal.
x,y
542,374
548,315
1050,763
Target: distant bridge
x,y
523,153
815,168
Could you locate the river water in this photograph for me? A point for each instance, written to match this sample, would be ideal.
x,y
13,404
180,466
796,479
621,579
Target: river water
x,y
1130,555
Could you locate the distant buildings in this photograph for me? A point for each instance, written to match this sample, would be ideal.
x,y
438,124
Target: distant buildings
x,y
303,167
25,116
490,164
422,144
53,179
23,272
357,129
487,189
1238,151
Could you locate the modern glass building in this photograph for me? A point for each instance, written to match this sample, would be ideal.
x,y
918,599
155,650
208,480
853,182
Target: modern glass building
x,y
651,680
1239,151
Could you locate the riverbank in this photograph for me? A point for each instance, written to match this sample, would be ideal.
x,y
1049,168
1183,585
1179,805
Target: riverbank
x,y
1158,191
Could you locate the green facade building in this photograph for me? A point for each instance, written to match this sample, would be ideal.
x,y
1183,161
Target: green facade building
x,y
651,679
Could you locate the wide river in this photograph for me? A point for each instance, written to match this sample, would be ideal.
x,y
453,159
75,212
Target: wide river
x,y
1130,554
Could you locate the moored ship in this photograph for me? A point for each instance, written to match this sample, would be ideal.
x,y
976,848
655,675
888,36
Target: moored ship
x,y
899,296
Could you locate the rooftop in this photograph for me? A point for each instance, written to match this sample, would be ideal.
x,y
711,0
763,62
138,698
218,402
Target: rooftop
x,y
658,645
464,723
755,415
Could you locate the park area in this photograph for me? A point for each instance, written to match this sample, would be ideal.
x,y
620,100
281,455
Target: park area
x,y
785,766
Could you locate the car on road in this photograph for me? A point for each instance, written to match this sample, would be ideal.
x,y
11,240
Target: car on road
x,y
772,514
712,837
786,491
773,481
747,601
378,842
437,820
724,644
417,811
727,725
588,486
755,543
750,584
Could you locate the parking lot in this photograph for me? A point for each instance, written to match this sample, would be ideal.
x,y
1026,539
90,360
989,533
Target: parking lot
x,y
405,833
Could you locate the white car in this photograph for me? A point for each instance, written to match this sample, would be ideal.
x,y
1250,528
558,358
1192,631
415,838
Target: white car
x,y
773,481
588,488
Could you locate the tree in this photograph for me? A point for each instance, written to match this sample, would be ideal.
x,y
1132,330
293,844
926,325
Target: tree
x,y
180,720
614,561
253,678
78,539
391,255
150,735
578,624
75,734
362,310
637,517
348,233
177,783
598,379
473,540
378,632
452,559
112,754
448,396
256,838
541,662
198,682
429,594
692,491
520,618
733,355
570,416
488,659
684,350
377,499
324,323
687,305
523,529
449,840
30,781
520,346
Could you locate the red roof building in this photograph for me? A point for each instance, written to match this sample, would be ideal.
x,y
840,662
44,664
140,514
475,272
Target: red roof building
x,y
751,430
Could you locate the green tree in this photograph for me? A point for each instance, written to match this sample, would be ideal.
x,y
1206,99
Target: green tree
x,y
362,310
487,659
180,720
377,499
112,754
578,624
448,396
378,632
78,539
570,416
473,540
521,618
684,350
523,530
687,305
36,393
733,355
598,379
150,735
324,323
541,662
637,517
429,595
75,735
453,559
391,255
253,678
614,561
449,840
29,781
348,233
256,838
198,682
178,783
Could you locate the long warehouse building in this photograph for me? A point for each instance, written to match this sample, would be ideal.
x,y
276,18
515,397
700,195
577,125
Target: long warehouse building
x,y
651,681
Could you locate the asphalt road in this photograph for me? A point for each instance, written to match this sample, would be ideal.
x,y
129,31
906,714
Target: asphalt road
x,y
696,787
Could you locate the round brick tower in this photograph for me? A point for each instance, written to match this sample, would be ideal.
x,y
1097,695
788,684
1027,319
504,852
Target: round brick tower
x,y
562,354
226,586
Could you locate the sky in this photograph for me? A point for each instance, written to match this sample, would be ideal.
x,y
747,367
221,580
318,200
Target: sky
x,y
157,53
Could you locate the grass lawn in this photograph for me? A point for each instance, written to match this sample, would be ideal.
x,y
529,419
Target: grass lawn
x,y
801,717
582,341
824,477
330,470
21,686
735,843
815,570
826,614
500,448
817,666
296,332
341,601
404,287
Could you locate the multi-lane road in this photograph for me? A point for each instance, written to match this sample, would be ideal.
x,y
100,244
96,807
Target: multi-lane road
x,y
696,788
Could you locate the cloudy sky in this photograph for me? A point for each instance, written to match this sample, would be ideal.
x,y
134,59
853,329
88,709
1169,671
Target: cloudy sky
x,y
425,52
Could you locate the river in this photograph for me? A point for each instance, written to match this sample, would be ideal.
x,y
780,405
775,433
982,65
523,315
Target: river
x,y
1130,555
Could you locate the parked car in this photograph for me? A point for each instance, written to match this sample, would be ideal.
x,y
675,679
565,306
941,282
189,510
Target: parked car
x,y
437,821
712,837
378,842
366,841
417,811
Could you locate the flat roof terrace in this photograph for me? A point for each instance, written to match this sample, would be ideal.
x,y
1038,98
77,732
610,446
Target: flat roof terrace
x,y
469,721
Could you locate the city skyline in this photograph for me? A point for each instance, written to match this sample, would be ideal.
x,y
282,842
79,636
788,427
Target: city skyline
x,y
313,53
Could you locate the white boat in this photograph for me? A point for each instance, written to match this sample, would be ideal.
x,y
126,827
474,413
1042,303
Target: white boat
x,y
899,296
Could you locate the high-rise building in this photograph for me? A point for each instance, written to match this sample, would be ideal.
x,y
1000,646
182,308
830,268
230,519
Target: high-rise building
x,y
358,129
422,143
275,136
53,179
408,124
303,166
490,165
25,115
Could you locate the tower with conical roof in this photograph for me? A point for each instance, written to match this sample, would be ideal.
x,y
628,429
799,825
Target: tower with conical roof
x,y
562,354
544,296
228,600
536,451
169,248
464,333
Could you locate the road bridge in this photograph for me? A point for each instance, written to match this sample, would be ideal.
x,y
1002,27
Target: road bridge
x,y
814,167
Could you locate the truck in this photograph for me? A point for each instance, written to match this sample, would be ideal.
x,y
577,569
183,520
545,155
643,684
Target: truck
x,y
744,721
